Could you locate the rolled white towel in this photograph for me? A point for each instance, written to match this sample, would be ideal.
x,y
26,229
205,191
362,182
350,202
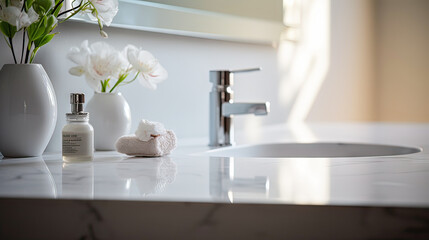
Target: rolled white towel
x,y
151,140
148,130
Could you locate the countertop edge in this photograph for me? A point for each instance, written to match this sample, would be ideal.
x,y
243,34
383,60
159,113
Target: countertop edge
x,y
105,219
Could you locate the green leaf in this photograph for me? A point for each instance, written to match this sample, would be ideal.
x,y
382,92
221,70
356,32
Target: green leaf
x,y
42,6
33,54
57,11
31,29
50,24
104,84
121,78
39,33
50,21
28,4
43,40
7,29
37,29
7,41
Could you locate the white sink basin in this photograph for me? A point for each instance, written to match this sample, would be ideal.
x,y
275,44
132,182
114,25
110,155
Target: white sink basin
x,y
311,150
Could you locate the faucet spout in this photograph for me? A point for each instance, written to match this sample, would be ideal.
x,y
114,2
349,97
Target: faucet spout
x,y
229,109
223,108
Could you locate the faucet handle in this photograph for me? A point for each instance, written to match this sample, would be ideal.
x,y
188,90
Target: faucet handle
x,y
246,70
224,77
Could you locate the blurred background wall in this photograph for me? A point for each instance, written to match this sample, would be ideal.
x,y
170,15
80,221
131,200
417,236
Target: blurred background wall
x,y
378,58
402,60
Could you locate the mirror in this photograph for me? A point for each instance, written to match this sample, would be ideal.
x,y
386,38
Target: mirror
x,y
253,21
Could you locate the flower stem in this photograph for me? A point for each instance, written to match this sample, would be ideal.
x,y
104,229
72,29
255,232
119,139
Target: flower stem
x,y
132,80
104,85
23,6
120,79
75,8
57,6
95,13
13,52
74,13
23,45
28,51
33,54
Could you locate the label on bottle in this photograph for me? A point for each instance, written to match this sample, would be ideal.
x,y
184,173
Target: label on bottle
x,y
77,144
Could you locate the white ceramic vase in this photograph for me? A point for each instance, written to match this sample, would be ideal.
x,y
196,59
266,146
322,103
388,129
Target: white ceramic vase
x,y
110,115
28,110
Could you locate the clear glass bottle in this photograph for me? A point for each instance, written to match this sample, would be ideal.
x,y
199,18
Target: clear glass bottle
x,y
78,134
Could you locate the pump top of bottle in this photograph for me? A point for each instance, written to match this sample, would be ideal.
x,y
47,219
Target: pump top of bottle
x,y
76,101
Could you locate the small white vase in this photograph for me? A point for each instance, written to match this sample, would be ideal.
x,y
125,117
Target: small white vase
x,y
28,110
110,116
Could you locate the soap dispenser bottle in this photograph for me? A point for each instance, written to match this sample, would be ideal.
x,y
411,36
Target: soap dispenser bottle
x,y
78,134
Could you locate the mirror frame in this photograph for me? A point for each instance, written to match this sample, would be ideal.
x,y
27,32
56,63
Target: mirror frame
x,y
162,18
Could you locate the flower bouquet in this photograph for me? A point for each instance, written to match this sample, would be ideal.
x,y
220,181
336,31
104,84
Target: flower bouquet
x,y
105,69
36,19
27,128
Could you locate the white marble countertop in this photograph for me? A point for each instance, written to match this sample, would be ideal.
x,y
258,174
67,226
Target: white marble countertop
x,y
185,176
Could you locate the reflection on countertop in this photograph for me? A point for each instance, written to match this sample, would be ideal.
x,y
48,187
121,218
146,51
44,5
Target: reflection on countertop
x,y
188,177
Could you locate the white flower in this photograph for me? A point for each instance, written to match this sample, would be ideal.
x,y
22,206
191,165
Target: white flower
x,y
106,10
148,130
33,16
10,15
15,3
105,68
79,55
104,61
20,19
150,71
98,62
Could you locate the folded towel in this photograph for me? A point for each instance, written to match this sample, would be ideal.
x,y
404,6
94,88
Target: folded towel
x,y
155,147
148,130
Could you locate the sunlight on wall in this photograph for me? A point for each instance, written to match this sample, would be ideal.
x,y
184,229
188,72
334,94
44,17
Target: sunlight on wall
x,y
304,64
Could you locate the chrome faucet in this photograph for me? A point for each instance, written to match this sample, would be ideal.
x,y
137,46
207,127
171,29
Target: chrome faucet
x,y
222,107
